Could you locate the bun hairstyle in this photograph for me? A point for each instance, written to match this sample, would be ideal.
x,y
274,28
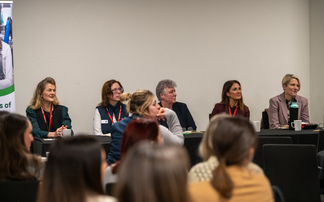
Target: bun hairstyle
x,y
232,140
139,102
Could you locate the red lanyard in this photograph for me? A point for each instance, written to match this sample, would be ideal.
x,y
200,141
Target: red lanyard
x,y
230,112
118,115
50,122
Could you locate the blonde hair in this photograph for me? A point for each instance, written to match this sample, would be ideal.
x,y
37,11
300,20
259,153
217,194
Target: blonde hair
x,y
206,147
36,101
287,78
139,102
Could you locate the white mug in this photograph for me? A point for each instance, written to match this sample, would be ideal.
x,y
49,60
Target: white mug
x,y
256,126
296,124
66,133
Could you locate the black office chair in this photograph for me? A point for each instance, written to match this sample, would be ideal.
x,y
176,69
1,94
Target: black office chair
x,y
277,194
293,168
265,119
258,156
22,191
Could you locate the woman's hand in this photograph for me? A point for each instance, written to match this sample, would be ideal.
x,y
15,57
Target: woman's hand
x,y
161,114
58,132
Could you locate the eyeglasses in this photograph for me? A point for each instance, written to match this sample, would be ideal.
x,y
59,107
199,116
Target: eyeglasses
x,y
116,89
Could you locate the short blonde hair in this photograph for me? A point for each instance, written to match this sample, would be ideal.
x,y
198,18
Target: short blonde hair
x,y
36,101
139,102
287,78
206,148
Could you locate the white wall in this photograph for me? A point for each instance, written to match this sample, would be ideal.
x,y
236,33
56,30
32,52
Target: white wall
x,y
317,60
198,44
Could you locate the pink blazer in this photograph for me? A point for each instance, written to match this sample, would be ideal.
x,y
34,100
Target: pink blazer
x,y
278,110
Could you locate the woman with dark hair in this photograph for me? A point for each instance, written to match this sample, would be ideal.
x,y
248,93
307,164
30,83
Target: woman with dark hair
x,y
110,110
142,103
234,142
136,131
74,171
47,117
17,162
232,101
153,173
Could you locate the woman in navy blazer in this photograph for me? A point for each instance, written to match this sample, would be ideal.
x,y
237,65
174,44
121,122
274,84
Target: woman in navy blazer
x,y
232,101
279,105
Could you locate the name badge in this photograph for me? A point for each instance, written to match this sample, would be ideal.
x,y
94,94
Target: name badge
x,y
104,121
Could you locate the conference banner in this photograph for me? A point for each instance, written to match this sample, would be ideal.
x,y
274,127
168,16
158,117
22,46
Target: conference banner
x,y
7,86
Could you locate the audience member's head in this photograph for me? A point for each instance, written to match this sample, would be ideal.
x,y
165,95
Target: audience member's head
x,y
136,131
206,148
140,102
15,142
153,173
233,141
74,170
4,113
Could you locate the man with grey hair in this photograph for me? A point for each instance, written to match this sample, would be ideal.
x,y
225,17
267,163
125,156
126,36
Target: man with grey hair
x,y
166,93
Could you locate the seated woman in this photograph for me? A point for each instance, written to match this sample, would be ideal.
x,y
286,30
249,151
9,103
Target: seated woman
x,y
232,101
74,171
233,143
166,93
47,117
153,173
110,110
279,105
17,162
204,171
142,103
136,131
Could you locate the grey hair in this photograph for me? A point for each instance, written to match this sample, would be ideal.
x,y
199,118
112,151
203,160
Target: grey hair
x,y
162,85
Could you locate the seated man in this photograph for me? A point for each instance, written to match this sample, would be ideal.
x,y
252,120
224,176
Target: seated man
x,y
165,91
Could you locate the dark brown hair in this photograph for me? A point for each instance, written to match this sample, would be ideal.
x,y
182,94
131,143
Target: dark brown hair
x,y
226,88
153,173
106,90
14,161
232,140
73,169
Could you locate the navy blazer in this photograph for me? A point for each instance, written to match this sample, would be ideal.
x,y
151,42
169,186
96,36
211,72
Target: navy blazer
x,y
278,110
183,115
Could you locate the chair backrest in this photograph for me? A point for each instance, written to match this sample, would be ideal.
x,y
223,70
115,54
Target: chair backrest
x,y
262,140
293,168
265,119
277,194
22,191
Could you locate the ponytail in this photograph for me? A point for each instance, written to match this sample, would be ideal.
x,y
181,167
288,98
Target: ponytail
x,y
222,181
